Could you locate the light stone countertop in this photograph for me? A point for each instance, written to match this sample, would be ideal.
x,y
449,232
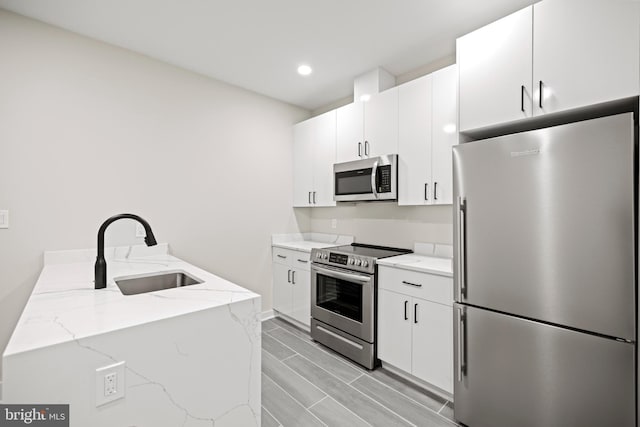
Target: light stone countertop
x,y
64,306
427,258
304,242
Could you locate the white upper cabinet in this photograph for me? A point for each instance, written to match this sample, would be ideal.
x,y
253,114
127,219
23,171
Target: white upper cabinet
x,y
494,66
444,133
368,129
584,52
427,131
350,132
414,142
303,136
314,153
579,52
381,124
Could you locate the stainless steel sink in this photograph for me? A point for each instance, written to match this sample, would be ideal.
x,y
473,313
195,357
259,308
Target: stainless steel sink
x,y
140,284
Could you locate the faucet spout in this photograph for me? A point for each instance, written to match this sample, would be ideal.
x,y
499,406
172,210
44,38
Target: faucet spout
x,y
101,263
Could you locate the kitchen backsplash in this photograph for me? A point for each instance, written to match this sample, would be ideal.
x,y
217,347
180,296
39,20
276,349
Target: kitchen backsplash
x,y
386,223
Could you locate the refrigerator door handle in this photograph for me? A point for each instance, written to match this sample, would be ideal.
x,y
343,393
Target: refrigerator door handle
x,y
462,279
462,367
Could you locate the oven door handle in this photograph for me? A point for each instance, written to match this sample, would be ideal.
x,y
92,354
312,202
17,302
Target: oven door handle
x,y
340,275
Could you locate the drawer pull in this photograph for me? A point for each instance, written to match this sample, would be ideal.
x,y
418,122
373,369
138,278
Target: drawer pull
x,y
417,285
282,256
303,260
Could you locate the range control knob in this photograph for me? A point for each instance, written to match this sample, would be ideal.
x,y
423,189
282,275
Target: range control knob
x,y
351,261
318,255
325,256
365,263
358,262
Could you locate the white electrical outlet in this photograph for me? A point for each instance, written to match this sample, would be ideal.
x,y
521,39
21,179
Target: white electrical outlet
x,y
4,219
110,383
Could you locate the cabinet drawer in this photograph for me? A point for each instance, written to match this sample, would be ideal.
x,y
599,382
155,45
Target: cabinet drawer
x,y
429,287
283,256
301,260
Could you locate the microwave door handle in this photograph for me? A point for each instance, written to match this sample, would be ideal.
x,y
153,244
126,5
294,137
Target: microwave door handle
x,y
374,181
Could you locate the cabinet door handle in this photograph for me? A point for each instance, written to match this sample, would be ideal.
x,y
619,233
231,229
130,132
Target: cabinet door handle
x,y
314,197
359,149
426,191
522,98
540,89
406,316
415,313
435,191
288,276
417,285
293,277
366,148
309,197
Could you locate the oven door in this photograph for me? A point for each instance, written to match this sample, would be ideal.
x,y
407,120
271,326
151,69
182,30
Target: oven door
x,y
344,299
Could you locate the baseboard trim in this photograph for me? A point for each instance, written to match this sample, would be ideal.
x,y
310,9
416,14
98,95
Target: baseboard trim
x,y
269,314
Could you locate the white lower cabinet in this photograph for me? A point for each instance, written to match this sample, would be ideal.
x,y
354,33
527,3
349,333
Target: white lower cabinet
x,y
292,284
415,325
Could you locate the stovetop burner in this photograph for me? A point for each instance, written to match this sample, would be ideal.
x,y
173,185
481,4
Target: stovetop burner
x,y
371,251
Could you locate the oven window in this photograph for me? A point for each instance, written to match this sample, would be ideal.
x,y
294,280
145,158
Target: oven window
x,y
353,182
339,296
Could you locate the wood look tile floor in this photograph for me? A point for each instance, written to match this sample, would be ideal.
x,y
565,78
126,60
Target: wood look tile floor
x,y
306,384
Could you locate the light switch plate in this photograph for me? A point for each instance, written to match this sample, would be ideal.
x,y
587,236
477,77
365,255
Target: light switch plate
x,y
4,219
110,383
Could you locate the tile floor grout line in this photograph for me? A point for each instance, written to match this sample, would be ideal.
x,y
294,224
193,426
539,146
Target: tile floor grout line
x,y
286,358
409,397
271,336
325,396
443,406
272,416
295,373
355,379
358,391
349,410
321,348
296,400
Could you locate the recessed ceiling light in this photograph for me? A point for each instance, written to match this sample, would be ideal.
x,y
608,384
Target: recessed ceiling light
x,y
304,70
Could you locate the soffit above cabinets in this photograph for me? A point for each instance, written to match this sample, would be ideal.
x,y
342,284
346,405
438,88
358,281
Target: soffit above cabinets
x,y
258,45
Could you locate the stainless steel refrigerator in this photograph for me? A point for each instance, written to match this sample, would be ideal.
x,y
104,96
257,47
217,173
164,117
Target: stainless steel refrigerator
x,y
545,277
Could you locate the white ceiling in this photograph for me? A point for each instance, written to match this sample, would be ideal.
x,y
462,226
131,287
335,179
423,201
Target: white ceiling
x,y
258,44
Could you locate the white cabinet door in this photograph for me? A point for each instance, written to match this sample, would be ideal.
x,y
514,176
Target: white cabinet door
x,y
394,329
381,124
494,64
349,132
444,133
585,52
432,335
324,156
303,136
282,288
414,141
301,296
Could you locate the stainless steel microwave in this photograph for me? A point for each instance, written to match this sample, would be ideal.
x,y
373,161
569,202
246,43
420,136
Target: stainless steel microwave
x,y
371,179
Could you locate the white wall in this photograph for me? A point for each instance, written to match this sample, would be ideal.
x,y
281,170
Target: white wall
x,y
386,223
88,130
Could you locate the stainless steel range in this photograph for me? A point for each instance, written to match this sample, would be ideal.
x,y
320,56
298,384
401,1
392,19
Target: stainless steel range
x,y
344,299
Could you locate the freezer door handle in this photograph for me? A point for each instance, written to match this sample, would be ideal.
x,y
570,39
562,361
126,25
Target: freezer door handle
x,y
462,238
461,354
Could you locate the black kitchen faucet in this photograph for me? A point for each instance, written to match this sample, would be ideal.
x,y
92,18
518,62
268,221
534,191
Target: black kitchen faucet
x,y
101,264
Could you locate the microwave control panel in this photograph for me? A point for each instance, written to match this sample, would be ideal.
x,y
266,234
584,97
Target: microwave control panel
x,y
384,179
